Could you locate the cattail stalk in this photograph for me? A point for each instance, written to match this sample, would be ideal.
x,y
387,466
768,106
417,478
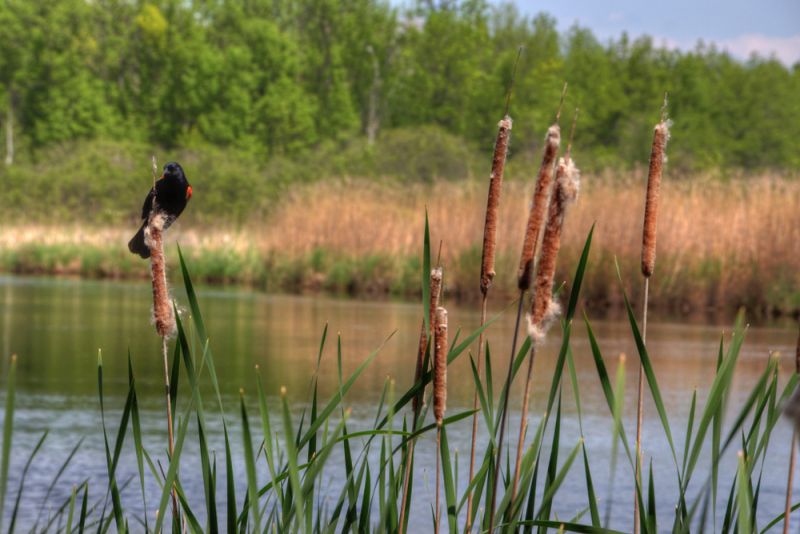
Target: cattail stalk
x,y
417,402
543,309
541,198
487,270
163,314
792,455
439,393
657,159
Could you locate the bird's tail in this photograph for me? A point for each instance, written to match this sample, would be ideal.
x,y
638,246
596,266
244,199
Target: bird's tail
x,y
137,244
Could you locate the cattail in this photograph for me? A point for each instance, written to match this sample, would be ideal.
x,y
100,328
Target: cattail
x,y
440,365
493,203
163,316
436,288
657,159
541,197
543,308
436,291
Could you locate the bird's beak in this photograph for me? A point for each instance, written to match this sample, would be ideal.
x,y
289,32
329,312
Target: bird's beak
x,y
188,192
161,177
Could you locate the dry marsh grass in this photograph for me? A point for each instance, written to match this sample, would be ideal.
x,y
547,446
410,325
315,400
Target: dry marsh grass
x,y
721,243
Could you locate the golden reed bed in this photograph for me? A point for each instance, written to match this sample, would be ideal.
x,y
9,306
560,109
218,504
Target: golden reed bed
x,y
720,243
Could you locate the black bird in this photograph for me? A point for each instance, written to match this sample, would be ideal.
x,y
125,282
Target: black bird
x,y
171,192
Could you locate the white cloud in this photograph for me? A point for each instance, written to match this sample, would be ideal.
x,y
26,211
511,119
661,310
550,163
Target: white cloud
x,y
786,49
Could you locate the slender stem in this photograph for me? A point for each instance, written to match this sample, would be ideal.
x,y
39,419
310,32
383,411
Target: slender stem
x,y
640,412
468,526
504,414
523,424
790,485
417,407
169,419
407,476
438,467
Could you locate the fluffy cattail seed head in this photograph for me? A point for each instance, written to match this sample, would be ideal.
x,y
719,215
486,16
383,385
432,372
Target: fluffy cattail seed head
x,y
657,159
541,196
543,309
436,291
440,365
493,203
163,315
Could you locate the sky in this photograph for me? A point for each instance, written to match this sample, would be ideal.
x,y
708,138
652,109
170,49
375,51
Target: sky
x,y
768,27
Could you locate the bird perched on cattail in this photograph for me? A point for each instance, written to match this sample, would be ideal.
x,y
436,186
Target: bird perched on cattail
x,y
168,197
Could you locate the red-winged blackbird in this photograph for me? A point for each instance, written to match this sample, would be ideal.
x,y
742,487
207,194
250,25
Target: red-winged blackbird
x,y
172,191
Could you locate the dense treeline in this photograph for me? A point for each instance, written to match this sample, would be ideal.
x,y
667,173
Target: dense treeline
x,y
283,77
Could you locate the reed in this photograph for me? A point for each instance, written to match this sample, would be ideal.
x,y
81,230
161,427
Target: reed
x,y
792,453
488,270
538,208
439,393
544,310
163,313
657,159
435,285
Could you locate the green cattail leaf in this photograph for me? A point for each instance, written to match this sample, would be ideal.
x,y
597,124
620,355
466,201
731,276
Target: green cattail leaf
x,y
22,482
8,430
577,280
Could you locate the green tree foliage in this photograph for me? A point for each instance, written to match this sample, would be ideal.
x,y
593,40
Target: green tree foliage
x,y
288,77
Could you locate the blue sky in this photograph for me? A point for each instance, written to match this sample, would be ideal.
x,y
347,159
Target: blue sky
x,y
739,26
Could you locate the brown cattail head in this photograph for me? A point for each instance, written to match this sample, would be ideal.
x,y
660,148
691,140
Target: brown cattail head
x,y
541,196
493,203
163,315
543,309
440,365
657,159
423,346
436,289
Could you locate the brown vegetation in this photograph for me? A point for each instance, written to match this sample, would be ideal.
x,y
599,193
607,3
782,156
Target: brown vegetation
x,y
721,243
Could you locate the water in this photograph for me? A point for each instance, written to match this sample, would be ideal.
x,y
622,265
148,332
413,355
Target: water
x,y
57,326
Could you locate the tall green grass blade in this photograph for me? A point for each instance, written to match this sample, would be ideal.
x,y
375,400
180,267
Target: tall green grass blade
x,y
250,466
449,482
8,430
652,382
71,514
591,496
337,398
231,514
577,280
744,499
137,438
84,504
425,280
22,479
556,482
291,456
201,328
55,480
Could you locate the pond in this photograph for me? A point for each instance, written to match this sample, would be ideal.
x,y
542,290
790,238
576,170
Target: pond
x,y
57,326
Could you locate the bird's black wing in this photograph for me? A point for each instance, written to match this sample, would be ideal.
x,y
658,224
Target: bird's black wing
x,y
148,204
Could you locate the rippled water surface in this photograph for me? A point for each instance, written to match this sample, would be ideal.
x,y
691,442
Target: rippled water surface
x,y
56,327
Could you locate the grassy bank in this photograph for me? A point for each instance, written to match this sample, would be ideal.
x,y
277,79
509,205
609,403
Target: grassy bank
x,y
722,243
